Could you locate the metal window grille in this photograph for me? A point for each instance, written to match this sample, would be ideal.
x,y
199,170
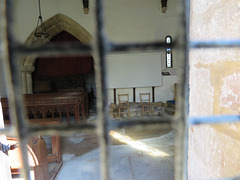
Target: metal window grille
x,y
10,51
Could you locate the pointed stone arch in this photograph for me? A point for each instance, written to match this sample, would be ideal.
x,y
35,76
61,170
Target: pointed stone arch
x,y
54,26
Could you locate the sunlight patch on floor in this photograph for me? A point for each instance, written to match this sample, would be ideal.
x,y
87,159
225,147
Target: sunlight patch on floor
x,y
138,145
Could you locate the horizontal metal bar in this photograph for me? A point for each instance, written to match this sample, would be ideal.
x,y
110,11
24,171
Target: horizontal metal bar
x,y
61,128
214,119
8,131
215,44
139,123
83,49
113,47
66,128
51,129
70,49
86,49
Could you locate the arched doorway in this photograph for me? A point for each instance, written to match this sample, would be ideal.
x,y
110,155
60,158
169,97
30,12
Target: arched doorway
x,y
64,72
54,26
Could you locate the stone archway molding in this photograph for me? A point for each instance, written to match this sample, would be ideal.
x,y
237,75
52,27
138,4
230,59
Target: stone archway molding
x,y
54,26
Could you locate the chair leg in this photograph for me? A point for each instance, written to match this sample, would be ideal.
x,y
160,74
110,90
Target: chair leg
x,y
119,112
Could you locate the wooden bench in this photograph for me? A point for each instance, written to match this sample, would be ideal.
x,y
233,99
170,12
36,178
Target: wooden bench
x,y
56,140
37,155
77,92
37,152
41,105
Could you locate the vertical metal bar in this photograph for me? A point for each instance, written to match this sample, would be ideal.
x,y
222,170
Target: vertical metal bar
x,y
102,92
186,88
10,66
182,101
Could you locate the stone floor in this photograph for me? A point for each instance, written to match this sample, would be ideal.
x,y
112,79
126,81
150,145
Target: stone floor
x,y
81,152
126,162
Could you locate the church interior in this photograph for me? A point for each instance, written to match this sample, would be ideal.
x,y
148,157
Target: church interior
x,y
132,93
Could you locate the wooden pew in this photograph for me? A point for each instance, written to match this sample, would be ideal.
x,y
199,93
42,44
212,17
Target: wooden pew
x,y
37,154
55,156
39,104
39,158
78,92
56,140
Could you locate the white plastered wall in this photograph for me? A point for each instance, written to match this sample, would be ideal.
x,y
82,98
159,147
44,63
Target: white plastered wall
x,y
142,22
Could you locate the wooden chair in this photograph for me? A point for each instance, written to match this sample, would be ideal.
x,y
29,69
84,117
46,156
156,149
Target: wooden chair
x,y
146,106
123,104
37,152
56,140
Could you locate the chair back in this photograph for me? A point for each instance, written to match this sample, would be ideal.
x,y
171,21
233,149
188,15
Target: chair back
x,y
123,98
144,97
